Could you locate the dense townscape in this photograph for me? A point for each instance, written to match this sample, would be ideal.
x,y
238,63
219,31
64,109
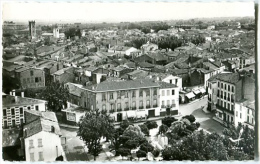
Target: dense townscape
x,y
137,91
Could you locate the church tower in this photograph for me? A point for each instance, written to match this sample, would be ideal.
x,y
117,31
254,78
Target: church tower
x,y
32,29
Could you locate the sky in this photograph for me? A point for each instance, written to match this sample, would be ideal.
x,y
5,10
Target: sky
x,y
127,11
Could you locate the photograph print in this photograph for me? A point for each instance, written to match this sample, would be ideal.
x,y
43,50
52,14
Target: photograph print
x,y
129,81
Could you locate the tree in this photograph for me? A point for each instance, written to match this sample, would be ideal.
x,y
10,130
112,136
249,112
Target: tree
x,y
147,147
57,96
124,152
168,121
163,129
191,118
144,129
92,127
151,124
140,154
156,152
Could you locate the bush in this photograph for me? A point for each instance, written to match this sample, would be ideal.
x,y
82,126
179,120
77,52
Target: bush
x,y
163,129
124,152
140,153
168,121
147,147
192,127
156,152
144,129
197,124
151,124
191,118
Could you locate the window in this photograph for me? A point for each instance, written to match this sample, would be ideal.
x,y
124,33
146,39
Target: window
x,y
29,108
236,113
168,92
221,85
30,143
133,105
36,107
247,118
231,118
218,84
155,92
28,80
36,80
224,104
176,81
141,93
163,93
148,103
111,106
41,156
248,112
240,115
133,94
141,103
103,96
21,110
118,95
39,78
147,92
170,81
39,142
225,86
173,92
232,88
154,102
4,112
228,87
85,104
111,96
12,111
31,72
103,107
31,156
119,106
163,103
168,102
126,105
126,94
232,107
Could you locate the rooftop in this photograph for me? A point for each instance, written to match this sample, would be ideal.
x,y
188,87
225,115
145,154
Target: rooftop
x,y
8,101
165,85
123,85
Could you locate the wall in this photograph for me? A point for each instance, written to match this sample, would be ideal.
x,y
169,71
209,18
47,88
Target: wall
x,y
49,143
28,81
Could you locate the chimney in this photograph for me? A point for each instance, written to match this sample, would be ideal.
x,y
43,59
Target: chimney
x,y
15,99
68,104
13,92
22,94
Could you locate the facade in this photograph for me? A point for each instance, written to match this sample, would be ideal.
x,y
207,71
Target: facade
x,y
245,113
30,77
14,106
41,136
169,99
174,80
232,88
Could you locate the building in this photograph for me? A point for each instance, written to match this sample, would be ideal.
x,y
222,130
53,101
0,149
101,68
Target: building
x,y
245,113
169,99
30,77
42,137
123,99
32,29
233,88
14,106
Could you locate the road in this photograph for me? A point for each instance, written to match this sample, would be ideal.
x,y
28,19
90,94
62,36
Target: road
x,y
75,145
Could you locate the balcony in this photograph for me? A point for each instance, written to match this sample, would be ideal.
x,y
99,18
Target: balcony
x,y
173,105
127,109
141,107
119,110
224,109
155,106
163,106
133,108
112,111
148,106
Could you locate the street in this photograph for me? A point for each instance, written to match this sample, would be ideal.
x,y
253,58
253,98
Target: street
x,y
75,146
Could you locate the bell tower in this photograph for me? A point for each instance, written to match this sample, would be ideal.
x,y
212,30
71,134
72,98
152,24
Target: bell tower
x,y
32,29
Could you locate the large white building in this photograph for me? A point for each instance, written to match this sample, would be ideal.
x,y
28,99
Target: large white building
x,y
245,113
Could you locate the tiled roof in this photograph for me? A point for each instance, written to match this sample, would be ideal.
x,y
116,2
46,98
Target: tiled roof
x,y
165,85
232,78
45,122
9,100
123,85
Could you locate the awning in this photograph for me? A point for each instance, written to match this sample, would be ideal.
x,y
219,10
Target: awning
x,y
130,114
140,114
196,91
202,90
190,95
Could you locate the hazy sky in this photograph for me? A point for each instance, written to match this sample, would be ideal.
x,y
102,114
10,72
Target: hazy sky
x,y
113,12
